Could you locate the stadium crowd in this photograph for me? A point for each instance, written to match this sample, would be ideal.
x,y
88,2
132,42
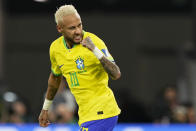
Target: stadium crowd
x,y
165,110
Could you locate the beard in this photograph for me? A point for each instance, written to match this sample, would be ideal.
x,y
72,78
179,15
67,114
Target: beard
x,y
71,40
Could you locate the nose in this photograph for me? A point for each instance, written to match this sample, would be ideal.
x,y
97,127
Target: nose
x,y
78,31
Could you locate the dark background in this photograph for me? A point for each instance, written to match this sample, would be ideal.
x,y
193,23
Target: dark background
x,y
152,41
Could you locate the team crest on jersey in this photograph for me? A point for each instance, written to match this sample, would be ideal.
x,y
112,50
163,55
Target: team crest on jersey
x,y
80,63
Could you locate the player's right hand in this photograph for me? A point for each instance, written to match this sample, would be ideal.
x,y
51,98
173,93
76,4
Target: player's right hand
x,y
43,118
88,43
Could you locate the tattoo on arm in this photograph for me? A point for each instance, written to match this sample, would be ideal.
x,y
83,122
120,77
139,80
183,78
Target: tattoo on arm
x,y
53,85
111,68
51,92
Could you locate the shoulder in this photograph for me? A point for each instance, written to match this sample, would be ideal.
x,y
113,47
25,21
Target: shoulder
x,y
55,44
91,35
96,40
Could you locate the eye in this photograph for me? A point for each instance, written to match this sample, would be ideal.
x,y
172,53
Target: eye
x,y
80,25
72,27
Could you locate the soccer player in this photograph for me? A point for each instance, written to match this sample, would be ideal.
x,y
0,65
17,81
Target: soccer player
x,y
83,59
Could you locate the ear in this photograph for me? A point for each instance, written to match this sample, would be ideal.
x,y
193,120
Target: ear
x,y
59,28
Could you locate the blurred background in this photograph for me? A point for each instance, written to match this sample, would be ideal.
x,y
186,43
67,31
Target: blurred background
x,y
152,41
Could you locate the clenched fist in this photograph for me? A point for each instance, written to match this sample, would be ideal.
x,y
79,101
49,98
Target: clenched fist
x,y
43,118
87,42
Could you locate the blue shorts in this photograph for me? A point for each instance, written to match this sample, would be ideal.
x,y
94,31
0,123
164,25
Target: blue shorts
x,y
100,125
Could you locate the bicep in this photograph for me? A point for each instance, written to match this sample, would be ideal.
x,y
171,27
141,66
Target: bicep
x,y
54,80
53,85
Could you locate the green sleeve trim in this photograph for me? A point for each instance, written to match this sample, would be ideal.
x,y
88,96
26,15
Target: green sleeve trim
x,y
111,59
55,73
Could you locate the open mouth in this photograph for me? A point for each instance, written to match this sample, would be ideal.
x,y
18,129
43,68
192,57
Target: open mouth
x,y
78,38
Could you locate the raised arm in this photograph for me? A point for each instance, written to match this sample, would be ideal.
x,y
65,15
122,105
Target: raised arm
x,y
110,67
53,85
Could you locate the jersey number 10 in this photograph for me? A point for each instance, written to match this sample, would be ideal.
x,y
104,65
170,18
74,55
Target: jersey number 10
x,y
74,79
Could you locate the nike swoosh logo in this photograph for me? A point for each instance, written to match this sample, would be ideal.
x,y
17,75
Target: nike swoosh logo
x,y
61,65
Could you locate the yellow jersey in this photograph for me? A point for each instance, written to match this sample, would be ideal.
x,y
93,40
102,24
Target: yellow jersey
x,y
86,78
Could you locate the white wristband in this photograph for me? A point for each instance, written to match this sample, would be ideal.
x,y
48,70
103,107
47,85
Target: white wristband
x,y
47,104
98,53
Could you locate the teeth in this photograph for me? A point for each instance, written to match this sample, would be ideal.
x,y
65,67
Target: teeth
x,y
77,37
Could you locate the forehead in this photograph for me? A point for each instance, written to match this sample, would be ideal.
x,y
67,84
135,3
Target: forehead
x,y
71,20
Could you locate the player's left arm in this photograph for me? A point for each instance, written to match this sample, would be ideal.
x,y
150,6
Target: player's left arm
x,y
110,67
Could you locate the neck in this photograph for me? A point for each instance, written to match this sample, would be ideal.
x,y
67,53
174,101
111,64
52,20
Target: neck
x,y
69,43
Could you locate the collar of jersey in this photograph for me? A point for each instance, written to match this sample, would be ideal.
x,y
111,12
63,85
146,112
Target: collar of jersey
x,y
65,44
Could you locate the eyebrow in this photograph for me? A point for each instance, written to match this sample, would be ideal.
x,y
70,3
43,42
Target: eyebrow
x,y
74,26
